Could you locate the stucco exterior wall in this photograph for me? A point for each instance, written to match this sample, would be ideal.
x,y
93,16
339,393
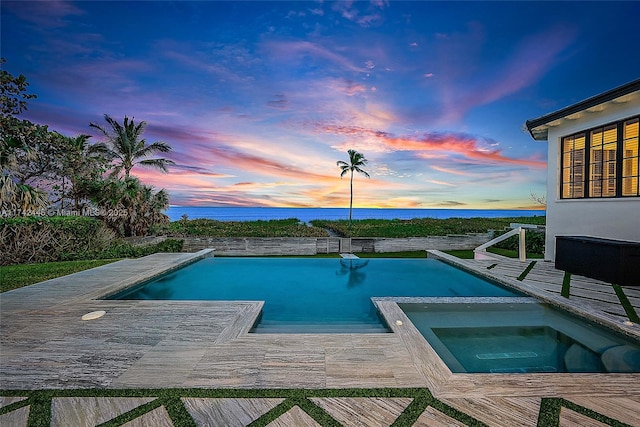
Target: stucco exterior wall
x,y
609,218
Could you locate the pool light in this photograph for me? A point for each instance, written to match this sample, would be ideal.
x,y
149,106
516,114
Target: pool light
x,y
94,315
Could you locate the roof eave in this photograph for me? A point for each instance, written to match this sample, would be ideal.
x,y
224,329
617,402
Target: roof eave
x,y
542,134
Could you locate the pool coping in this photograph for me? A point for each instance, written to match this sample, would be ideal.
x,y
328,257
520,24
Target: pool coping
x,y
444,383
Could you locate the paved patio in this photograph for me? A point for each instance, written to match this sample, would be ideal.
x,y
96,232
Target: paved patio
x,y
200,348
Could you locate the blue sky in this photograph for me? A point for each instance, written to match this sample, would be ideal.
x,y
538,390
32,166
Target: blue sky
x,y
260,99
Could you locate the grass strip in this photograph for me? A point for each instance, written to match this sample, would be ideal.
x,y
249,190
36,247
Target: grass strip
x,y
406,254
549,413
412,412
457,414
132,414
626,304
592,414
39,410
273,414
306,405
180,417
13,406
566,285
317,413
526,271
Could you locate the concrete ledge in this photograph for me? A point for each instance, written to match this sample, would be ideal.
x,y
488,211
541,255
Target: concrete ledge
x,y
267,246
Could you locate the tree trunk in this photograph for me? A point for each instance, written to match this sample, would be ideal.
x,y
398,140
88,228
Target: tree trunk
x,y
351,198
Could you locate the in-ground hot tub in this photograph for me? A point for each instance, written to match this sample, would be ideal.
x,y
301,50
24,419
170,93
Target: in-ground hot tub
x,y
519,337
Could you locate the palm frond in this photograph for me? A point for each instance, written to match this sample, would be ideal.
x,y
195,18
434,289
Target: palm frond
x,y
158,163
156,147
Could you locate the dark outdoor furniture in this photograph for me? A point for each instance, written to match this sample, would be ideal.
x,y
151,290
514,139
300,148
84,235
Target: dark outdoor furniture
x,y
612,261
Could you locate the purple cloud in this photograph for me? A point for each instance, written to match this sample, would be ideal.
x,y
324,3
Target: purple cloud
x,y
49,14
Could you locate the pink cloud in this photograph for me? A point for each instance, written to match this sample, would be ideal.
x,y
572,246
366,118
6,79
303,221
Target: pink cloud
x,y
467,146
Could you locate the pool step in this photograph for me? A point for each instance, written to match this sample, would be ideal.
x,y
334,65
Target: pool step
x,y
512,355
271,327
526,370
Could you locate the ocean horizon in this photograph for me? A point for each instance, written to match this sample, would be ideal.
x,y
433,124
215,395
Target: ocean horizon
x,y
307,214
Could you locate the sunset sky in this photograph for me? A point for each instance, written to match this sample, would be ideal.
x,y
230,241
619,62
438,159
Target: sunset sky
x,y
260,99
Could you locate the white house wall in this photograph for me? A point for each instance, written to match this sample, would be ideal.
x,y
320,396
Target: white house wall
x,y
609,218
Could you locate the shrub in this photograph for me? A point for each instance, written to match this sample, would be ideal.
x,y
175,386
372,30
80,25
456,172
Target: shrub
x,y
45,239
40,239
121,249
291,227
534,242
421,227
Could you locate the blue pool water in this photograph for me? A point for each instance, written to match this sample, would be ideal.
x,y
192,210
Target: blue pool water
x,y
315,295
520,338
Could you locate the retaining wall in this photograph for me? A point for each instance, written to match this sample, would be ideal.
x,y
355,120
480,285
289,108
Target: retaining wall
x,y
254,246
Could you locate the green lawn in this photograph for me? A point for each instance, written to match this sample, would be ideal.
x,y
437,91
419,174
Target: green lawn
x,y
16,276
408,254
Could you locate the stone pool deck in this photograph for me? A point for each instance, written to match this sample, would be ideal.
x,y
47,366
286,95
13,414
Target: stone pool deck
x,y
92,368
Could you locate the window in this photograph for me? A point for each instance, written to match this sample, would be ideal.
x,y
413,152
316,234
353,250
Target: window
x,y
602,162
630,159
573,166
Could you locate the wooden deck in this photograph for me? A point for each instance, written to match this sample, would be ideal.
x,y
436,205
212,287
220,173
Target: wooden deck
x,y
206,345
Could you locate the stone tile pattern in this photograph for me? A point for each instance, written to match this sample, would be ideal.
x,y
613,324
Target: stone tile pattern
x,y
348,411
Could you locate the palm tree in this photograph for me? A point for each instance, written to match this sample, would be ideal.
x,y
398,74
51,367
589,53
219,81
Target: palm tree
x,y
81,160
356,162
128,146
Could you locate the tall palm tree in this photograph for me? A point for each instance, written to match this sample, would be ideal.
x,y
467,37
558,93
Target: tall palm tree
x,y
356,162
128,146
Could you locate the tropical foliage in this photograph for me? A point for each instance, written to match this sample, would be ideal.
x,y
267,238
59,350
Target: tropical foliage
x,y
62,238
127,147
45,173
356,162
15,193
211,228
422,227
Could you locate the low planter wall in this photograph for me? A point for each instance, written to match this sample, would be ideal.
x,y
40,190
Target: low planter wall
x,y
254,246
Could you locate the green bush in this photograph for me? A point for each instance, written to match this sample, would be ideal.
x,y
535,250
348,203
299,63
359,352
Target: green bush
x,y
46,239
41,239
121,249
291,227
534,242
421,227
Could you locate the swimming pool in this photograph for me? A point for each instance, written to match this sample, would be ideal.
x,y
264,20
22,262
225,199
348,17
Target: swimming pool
x,y
522,337
315,295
